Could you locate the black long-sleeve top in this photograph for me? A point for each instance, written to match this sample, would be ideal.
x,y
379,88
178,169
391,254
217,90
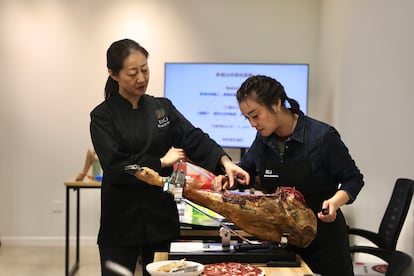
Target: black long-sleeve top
x,y
132,211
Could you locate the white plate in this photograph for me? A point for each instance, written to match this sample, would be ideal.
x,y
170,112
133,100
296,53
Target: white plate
x,y
152,269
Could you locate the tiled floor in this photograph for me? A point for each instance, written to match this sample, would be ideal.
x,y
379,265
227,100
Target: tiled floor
x,y
47,261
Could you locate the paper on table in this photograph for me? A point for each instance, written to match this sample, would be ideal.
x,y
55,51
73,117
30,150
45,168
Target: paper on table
x,y
186,246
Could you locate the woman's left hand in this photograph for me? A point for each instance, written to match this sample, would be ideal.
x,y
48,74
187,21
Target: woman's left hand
x,y
328,212
173,155
233,172
329,206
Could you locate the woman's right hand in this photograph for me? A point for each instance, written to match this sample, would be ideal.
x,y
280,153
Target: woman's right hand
x,y
173,155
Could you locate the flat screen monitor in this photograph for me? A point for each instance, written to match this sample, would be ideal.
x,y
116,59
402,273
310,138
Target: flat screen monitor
x,y
205,93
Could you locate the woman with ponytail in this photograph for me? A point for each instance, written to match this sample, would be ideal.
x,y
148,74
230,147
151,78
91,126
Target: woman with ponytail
x,y
292,149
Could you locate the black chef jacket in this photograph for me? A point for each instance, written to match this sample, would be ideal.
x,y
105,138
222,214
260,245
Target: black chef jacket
x,y
132,211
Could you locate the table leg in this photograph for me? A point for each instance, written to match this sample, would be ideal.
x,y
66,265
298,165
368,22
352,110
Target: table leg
x,y
75,267
77,225
67,234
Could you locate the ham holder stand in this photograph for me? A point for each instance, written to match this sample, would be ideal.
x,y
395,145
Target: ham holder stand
x,y
247,251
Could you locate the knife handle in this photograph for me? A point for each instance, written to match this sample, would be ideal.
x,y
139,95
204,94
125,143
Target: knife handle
x,y
246,246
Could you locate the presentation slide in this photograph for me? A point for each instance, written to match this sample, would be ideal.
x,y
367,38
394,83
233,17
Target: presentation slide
x,y
205,93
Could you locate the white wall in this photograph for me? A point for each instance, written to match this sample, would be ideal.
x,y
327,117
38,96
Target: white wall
x,y
52,74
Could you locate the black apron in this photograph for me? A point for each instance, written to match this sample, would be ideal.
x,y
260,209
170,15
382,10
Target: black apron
x,y
328,254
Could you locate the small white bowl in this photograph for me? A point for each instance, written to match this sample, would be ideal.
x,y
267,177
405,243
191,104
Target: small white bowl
x,y
152,269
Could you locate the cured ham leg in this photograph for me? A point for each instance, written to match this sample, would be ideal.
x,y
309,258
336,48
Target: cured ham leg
x,y
268,217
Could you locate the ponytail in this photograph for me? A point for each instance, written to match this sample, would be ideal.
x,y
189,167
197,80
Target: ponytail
x,y
111,87
294,105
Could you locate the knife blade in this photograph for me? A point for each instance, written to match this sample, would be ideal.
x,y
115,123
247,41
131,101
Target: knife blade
x,y
218,221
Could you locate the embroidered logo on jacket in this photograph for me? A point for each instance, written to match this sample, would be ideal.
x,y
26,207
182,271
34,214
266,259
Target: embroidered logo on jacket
x,y
162,117
269,174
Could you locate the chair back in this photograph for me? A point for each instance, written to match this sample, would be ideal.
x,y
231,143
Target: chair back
x,y
395,213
